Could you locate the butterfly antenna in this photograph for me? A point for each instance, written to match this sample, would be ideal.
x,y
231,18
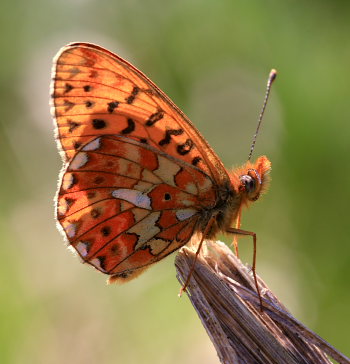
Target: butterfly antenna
x,y
272,77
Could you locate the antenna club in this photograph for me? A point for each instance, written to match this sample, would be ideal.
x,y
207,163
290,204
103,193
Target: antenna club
x,y
272,75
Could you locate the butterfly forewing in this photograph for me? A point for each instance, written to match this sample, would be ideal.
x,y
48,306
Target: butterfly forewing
x,y
95,92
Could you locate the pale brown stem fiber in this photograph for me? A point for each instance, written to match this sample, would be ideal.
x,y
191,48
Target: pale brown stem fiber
x,y
222,291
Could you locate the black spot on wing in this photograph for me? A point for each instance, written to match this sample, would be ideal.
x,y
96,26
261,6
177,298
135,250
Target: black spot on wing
x,y
154,118
130,99
130,128
168,134
102,260
196,160
72,125
68,105
76,145
68,87
185,147
95,213
98,123
106,230
112,105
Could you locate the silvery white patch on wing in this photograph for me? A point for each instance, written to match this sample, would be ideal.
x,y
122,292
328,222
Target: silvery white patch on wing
x,y
82,248
96,263
135,197
185,214
70,229
67,181
62,206
78,161
94,145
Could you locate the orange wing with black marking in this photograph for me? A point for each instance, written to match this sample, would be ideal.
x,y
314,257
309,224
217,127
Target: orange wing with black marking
x,y
124,205
95,92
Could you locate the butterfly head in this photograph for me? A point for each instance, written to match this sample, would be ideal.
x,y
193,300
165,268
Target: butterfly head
x,y
251,180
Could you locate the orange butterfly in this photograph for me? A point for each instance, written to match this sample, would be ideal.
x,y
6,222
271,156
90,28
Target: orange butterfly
x,y
139,180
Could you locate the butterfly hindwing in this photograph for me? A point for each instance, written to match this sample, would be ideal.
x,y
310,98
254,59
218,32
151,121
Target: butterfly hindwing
x,y
124,205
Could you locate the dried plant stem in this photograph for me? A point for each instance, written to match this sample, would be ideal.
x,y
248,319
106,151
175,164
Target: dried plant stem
x,y
223,293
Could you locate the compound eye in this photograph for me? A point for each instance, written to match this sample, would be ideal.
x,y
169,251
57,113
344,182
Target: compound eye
x,y
249,183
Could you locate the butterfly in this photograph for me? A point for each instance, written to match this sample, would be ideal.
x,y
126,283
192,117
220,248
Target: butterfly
x,y
139,181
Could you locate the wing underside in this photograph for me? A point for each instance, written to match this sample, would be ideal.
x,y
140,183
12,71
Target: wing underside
x,y
123,205
95,92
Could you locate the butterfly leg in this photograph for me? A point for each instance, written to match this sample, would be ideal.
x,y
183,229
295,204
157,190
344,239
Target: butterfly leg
x,y
207,229
235,240
253,235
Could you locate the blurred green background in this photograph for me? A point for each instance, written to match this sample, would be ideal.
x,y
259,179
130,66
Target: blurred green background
x,y
212,58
